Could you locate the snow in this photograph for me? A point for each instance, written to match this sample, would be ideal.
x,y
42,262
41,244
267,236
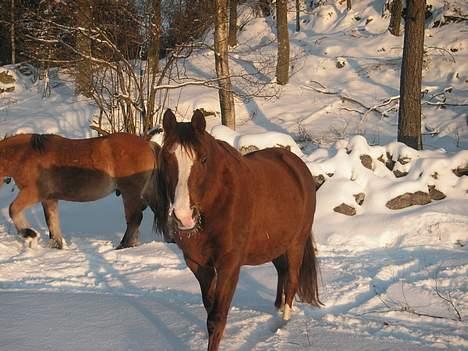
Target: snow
x,y
391,279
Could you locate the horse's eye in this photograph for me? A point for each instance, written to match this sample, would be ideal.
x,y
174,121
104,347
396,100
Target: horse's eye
x,y
203,159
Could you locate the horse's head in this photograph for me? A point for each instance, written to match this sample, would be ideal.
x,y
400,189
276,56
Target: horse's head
x,y
184,163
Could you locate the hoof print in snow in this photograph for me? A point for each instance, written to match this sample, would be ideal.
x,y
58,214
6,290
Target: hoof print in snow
x,y
461,171
409,199
366,161
359,198
345,209
244,150
319,180
436,194
399,173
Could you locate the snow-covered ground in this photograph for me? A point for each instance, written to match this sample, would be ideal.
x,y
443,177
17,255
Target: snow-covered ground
x,y
391,279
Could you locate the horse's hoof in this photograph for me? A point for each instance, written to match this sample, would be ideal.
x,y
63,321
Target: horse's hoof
x,y
30,237
126,246
55,244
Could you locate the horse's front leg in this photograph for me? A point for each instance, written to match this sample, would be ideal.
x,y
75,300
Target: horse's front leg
x,y
206,277
25,199
226,282
51,214
134,207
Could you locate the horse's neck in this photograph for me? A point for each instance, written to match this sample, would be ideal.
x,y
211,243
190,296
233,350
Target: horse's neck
x,y
11,151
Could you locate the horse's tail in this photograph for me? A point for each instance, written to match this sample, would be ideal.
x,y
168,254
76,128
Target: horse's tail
x,y
308,276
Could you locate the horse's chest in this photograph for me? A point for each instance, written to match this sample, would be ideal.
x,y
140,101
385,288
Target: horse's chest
x,y
193,246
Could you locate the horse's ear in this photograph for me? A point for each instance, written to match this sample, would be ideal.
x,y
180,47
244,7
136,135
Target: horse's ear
x,y
169,121
198,121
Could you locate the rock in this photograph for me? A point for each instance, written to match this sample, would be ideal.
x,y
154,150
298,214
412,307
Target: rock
x,y
461,171
319,180
248,149
359,198
399,173
389,163
408,199
345,209
404,160
6,78
436,194
287,147
366,161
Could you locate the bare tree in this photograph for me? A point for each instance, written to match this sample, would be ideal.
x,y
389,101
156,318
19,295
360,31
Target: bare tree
x,y
265,7
84,73
395,17
298,15
282,66
12,32
232,23
226,98
409,122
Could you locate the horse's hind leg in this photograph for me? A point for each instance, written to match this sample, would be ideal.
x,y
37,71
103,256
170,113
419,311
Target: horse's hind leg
x,y
282,269
134,207
25,199
51,214
294,256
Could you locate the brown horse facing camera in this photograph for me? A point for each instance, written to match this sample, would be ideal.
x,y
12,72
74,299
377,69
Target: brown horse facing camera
x,y
228,210
48,168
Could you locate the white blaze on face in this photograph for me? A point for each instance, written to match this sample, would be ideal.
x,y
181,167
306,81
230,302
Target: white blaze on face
x,y
181,204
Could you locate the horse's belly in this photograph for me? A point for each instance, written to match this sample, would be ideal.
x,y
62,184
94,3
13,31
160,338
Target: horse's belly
x,y
74,184
267,246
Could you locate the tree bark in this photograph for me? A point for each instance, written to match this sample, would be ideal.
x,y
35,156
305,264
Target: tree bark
x,y
395,17
409,122
232,23
12,32
226,98
84,74
153,63
282,65
298,15
265,7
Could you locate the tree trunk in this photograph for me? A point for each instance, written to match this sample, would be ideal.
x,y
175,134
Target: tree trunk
x,y
298,15
282,66
395,17
409,122
348,5
153,63
232,23
84,74
226,98
12,32
265,7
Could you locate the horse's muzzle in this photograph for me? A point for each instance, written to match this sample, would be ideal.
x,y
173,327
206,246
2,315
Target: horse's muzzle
x,y
189,223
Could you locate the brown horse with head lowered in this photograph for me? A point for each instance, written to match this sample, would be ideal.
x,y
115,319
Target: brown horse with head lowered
x,y
228,210
48,168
